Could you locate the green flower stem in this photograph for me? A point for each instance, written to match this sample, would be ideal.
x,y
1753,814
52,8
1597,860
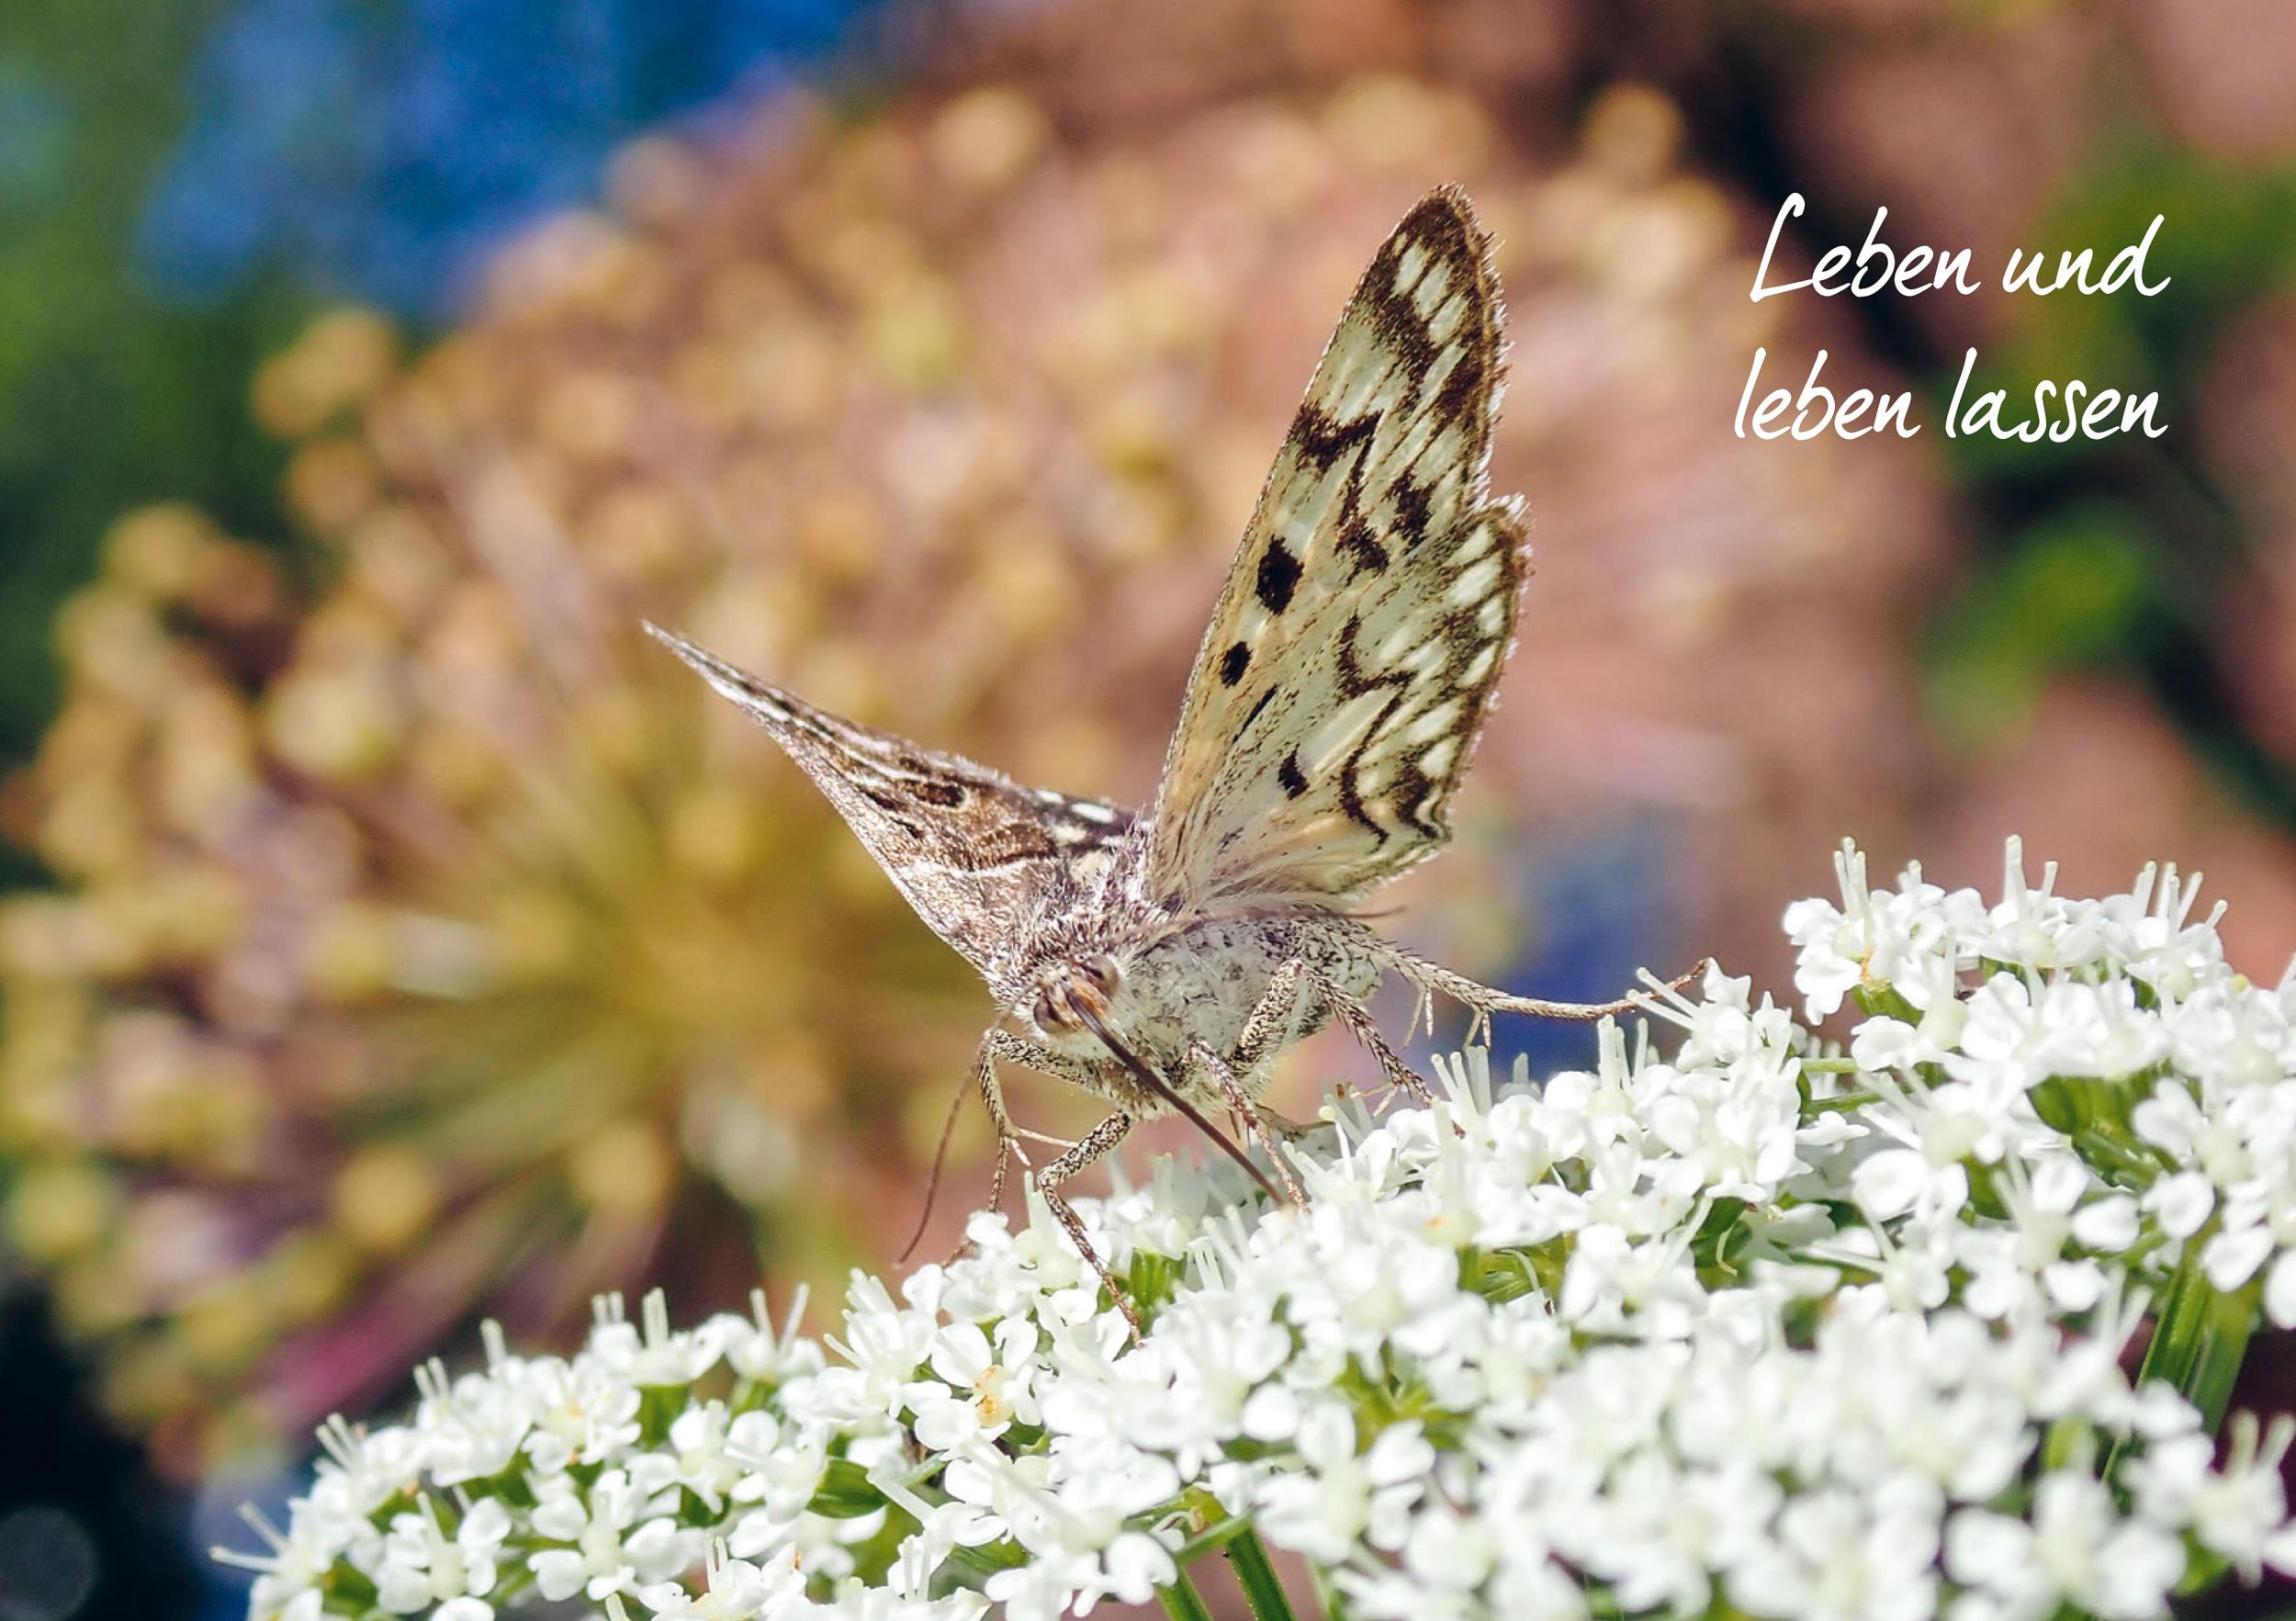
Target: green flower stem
x,y
1262,1590
1182,1602
2201,1335
2199,1338
1218,1534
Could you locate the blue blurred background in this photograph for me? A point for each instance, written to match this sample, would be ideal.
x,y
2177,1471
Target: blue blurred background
x,y
377,150
182,184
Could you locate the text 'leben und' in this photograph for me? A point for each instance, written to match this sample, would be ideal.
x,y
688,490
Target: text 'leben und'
x,y
2059,410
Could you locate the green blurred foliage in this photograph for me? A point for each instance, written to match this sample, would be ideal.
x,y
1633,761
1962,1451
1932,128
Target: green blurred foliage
x,y
2228,239
108,396
2125,550
2070,592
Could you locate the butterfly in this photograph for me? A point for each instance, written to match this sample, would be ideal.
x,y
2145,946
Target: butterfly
x,y
1164,959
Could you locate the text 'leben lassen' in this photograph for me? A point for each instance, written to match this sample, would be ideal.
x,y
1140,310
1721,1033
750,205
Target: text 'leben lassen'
x,y
2072,408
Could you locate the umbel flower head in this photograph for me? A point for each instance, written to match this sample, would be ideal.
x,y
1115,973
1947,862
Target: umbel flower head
x,y
426,945
1763,1327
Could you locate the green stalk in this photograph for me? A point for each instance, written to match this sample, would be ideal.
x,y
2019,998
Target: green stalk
x,y
1182,1602
1218,1535
2199,1338
2201,1335
1262,1590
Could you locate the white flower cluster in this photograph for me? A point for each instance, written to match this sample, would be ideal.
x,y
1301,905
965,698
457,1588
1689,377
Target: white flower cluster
x,y
2092,1070
1758,1324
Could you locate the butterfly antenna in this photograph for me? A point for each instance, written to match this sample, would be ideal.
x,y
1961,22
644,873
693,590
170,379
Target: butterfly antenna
x,y
1146,1074
932,1182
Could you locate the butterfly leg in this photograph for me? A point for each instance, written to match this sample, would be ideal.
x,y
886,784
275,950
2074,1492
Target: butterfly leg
x,y
1231,1092
1273,1017
1365,1029
1482,1000
1012,1049
1088,1148
1272,1023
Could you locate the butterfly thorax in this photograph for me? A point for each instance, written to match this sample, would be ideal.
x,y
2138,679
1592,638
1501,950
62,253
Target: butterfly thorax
x,y
1163,988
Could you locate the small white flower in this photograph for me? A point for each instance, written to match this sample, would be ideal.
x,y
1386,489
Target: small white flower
x,y
2076,1549
733,1589
423,1566
652,1355
2181,1202
612,1550
1338,1496
754,1348
2279,1290
2232,1257
1909,1182
979,1389
2237,1509
2110,1223
1449,1550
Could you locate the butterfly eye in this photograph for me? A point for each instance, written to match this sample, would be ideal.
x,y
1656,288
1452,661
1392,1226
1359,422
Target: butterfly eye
x,y
1102,971
1043,1014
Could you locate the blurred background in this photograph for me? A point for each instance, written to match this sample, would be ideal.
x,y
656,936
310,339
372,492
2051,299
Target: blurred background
x,y
391,940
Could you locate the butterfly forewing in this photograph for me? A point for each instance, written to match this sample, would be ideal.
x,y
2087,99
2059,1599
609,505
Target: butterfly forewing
x,y
985,863
1352,656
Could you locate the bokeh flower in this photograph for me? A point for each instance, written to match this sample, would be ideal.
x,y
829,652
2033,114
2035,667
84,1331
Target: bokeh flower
x,y
427,945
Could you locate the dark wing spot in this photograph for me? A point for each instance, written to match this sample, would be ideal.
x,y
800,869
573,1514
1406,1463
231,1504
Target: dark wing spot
x,y
1232,664
991,848
1439,221
1351,801
933,791
1463,391
1406,792
1413,503
1399,326
1354,679
1294,781
1360,546
1322,440
1279,577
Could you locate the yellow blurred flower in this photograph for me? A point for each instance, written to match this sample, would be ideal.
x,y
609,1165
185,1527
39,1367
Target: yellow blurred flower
x,y
428,944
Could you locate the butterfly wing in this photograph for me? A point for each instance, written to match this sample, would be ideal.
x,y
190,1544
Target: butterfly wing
x,y
1352,656
985,863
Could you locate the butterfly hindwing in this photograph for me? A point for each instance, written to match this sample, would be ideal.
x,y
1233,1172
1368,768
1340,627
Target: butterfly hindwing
x,y
1353,653
983,860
